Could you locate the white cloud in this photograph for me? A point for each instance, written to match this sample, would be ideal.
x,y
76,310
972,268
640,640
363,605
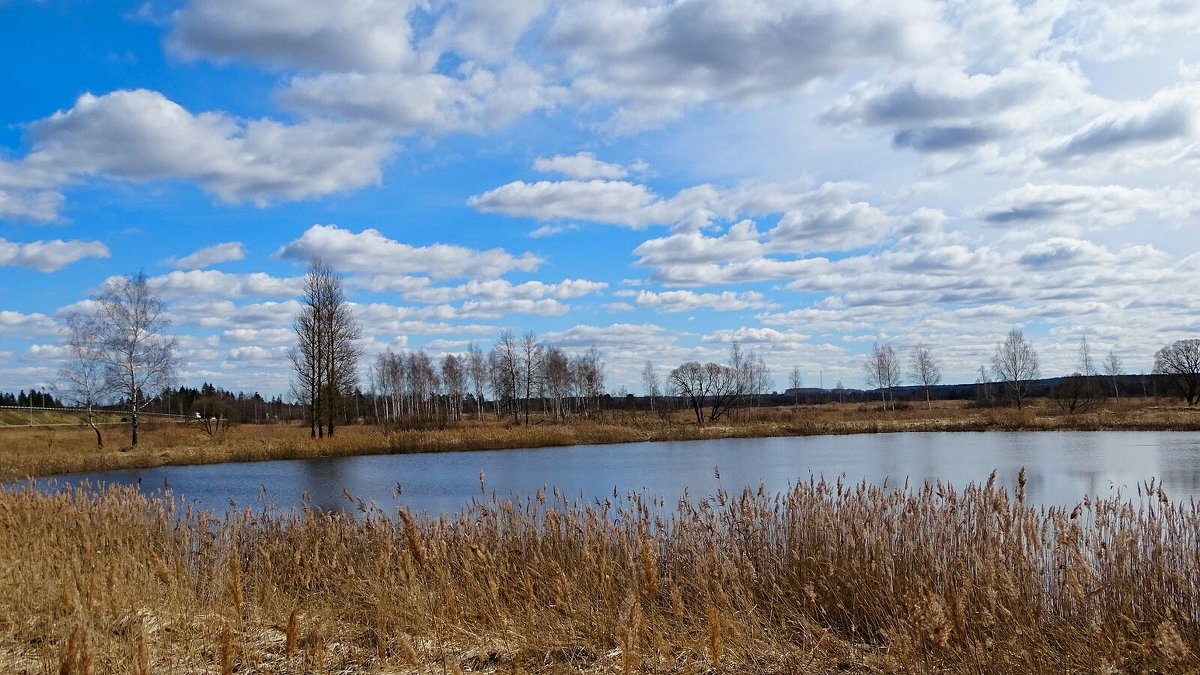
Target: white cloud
x,y
499,289
602,201
20,325
357,35
26,193
551,230
1169,115
475,100
581,166
1090,205
824,218
655,59
1109,31
209,255
370,252
140,135
212,283
49,256
690,301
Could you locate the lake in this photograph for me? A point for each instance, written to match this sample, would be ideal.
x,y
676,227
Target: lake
x,y
1062,468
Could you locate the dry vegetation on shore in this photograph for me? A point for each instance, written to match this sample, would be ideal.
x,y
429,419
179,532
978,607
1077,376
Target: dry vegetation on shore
x,y
49,450
824,578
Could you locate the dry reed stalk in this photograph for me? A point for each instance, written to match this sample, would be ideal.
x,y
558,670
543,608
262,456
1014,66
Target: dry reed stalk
x,y
142,664
292,634
233,584
227,655
413,536
713,625
912,578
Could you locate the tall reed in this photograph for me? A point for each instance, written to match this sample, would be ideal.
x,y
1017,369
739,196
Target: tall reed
x,y
827,576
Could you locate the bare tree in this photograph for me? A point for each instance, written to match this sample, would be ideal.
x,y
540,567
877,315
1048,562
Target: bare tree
x,y
531,353
138,357
477,372
1113,369
1087,365
690,381
559,378
1016,365
883,371
983,392
454,378
506,368
1179,362
81,378
795,381
923,369
650,384
589,373
1079,391
327,351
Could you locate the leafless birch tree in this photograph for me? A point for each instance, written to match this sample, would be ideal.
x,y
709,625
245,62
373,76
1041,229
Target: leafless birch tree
x,y
883,371
81,377
326,355
1113,369
923,369
1015,364
650,384
139,359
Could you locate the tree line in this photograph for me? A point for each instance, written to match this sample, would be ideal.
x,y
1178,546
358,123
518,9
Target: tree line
x,y
34,399
120,353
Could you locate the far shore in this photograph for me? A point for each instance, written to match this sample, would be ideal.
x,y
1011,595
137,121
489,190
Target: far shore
x,y
36,451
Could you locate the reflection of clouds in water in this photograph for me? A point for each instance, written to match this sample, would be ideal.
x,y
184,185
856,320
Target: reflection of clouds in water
x,y
1062,468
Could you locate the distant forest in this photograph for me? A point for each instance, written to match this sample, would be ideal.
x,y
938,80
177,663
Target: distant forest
x,y
252,408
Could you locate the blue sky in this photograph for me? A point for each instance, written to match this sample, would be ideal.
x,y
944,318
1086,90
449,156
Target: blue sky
x,y
654,179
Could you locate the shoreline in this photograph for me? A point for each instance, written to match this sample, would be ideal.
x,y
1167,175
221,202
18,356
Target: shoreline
x,y
33,452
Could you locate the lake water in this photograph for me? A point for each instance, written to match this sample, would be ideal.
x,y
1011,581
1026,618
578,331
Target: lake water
x,y
1062,468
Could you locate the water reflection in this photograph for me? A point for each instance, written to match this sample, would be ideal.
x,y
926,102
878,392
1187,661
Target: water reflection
x,y
1062,467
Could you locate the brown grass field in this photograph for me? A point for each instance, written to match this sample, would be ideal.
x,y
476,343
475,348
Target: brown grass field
x,y
825,578
48,450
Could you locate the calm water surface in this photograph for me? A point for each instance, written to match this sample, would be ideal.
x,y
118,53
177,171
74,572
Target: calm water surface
x,y
1062,467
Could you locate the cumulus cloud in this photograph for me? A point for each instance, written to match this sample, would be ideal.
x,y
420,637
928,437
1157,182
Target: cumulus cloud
x,y
581,165
499,289
551,230
655,59
475,100
1092,205
1168,115
361,35
830,223
602,201
370,252
942,109
825,218
140,135
690,301
209,255
28,193
18,324
617,336
740,242
49,256
212,283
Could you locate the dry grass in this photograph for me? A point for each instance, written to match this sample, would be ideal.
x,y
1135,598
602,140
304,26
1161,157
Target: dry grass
x,y
824,578
49,450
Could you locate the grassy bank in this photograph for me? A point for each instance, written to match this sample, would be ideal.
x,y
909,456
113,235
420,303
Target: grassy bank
x,y
824,578
48,450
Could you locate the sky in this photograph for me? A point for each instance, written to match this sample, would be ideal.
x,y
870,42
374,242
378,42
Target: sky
x,y
652,179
